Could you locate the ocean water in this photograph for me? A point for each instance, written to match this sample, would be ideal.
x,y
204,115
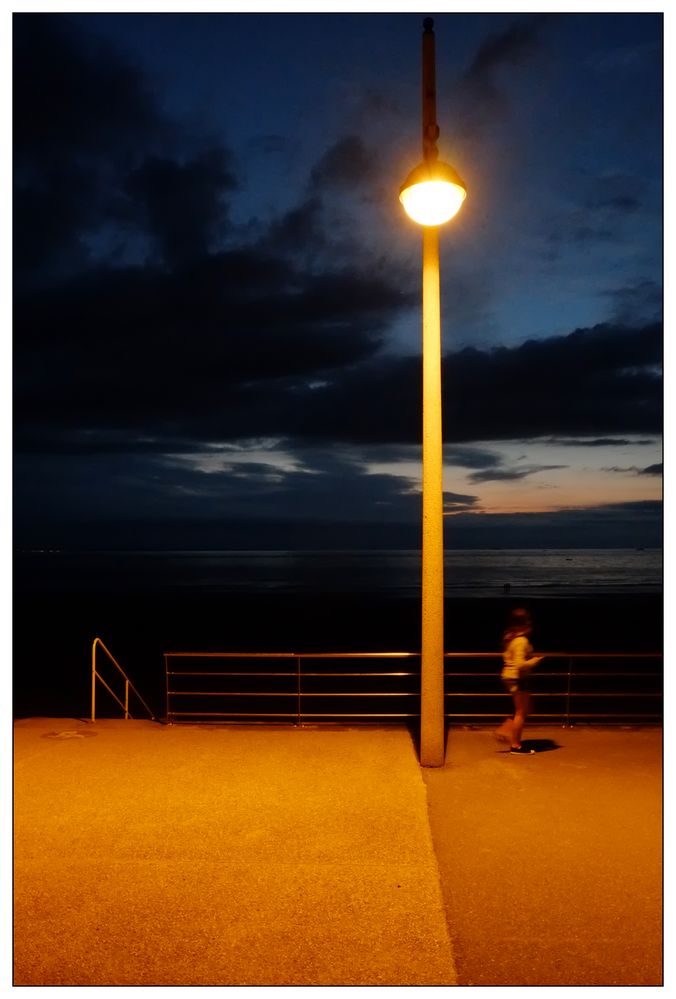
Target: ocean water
x,y
547,572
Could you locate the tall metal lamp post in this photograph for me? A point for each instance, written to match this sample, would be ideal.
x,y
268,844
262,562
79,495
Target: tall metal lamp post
x,y
431,195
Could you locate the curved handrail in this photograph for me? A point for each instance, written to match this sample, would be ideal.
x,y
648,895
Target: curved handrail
x,y
127,684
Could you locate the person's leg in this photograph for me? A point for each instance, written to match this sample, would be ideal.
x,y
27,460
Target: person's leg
x,y
505,732
521,710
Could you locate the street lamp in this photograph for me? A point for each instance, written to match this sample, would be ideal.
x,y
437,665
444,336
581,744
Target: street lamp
x,y
431,195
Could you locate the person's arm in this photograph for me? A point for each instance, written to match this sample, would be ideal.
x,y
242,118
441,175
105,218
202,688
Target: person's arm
x,y
521,648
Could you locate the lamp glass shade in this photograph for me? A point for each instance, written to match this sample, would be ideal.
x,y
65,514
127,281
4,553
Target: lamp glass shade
x,y
431,195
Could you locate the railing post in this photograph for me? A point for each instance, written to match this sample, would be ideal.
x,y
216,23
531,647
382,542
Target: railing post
x,y
566,723
126,701
93,718
299,694
166,687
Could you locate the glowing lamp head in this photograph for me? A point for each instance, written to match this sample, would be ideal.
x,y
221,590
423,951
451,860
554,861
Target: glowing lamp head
x,y
432,193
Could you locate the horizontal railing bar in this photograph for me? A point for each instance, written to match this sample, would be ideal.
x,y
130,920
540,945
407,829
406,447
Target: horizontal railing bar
x,y
250,675
360,714
408,673
231,655
233,693
233,714
559,655
538,676
403,655
293,693
247,673
553,693
377,693
296,655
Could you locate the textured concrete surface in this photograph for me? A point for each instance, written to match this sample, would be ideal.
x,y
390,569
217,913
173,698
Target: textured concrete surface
x,y
153,855
551,864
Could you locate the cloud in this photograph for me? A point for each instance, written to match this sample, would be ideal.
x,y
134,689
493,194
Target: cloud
x,y
346,164
620,203
328,487
597,441
74,94
468,457
599,380
81,115
183,204
639,302
224,349
247,346
481,94
456,503
511,474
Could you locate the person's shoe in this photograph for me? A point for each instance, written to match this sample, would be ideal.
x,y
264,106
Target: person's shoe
x,y
522,751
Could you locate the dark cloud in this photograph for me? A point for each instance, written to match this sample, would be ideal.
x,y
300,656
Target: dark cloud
x,y
510,47
74,95
183,204
511,474
97,165
597,441
620,203
82,116
223,350
455,503
481,94
599,380
298,231
467,457
639,302
651,470
246,348
329,487
347,164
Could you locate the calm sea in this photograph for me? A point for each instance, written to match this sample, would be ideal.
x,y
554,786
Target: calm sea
x,y
563,572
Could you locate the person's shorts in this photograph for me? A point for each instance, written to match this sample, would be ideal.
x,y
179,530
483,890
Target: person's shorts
x,y
514,686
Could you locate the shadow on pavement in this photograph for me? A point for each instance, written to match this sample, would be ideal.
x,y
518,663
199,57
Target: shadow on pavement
x,y
541,745
532,745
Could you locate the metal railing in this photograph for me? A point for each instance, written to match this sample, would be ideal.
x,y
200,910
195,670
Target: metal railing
x,y
128,685
298,688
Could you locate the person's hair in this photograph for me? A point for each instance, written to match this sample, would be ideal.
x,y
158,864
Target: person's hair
x,y
519,621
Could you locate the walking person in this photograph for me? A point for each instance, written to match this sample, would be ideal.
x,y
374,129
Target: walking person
x,y
518,660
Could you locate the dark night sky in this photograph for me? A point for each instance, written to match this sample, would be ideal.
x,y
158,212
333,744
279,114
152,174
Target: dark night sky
x,y
217,293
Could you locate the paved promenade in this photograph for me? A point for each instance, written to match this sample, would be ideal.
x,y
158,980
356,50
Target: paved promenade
x,y
153,855
551,865
183,855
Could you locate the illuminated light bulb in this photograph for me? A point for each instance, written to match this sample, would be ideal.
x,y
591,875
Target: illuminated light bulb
x,y
432,194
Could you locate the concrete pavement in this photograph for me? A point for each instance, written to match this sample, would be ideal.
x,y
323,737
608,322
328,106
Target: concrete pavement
x,y
185,855
551,865
153,855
